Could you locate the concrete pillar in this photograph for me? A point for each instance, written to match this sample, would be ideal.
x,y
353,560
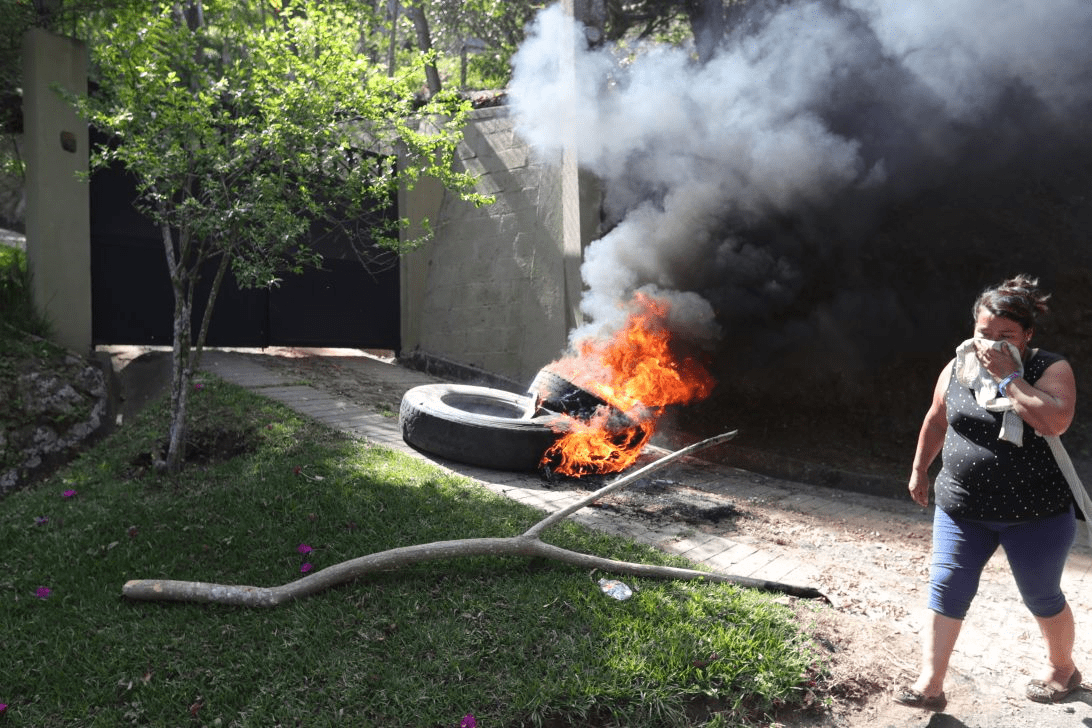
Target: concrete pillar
x,y
58,204
571,219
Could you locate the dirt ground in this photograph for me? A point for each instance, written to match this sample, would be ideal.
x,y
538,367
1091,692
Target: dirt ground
x,y
864,634
872,571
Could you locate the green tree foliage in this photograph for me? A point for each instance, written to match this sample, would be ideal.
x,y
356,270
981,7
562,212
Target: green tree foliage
x,y
18,16
246,125
644,19
483,33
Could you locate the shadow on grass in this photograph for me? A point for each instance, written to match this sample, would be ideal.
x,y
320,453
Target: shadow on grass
x,y
505,639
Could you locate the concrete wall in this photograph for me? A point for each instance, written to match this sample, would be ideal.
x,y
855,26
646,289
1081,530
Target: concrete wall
x,y
489,293
57,201
492,296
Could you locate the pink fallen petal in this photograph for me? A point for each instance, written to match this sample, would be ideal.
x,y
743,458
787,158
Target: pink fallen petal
x,y
69,494
306,567
304,548
43,592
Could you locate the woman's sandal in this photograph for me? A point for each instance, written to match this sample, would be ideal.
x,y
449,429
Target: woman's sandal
x,y
913,699
1041,691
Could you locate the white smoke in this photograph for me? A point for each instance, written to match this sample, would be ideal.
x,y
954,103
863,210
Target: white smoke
x,y
808,107
968,51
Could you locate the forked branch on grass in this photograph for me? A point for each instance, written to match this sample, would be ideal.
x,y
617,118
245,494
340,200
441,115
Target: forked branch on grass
x,y
526,544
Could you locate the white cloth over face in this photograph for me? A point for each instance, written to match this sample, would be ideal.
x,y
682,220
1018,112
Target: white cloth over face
x,y
970,373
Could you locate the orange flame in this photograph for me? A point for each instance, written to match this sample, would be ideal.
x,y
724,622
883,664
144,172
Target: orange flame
x,y
639,374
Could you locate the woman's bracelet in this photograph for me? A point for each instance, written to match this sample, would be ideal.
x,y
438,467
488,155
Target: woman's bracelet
x,y
1005,382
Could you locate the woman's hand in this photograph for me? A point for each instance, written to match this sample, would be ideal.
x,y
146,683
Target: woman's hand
x,y
919,488
999,362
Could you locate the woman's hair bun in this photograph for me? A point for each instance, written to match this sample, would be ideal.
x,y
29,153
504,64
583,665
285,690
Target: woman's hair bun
x,y
1018,298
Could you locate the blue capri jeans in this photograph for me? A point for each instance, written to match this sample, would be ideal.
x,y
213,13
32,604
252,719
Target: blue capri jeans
x,y
1036,550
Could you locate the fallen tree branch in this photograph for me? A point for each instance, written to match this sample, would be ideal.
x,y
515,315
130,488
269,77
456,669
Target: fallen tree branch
x,y
392,559
527,544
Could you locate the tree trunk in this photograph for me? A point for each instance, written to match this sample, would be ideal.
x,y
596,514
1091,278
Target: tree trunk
x,y
181,371
593,15
194,14
393,6
181,285
184,266
203,332
186,353
424,43
708,23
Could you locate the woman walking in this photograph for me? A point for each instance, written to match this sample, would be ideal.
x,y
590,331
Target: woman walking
x,y
999,484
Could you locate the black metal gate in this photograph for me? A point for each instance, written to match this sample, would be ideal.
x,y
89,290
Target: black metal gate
x,y
342,305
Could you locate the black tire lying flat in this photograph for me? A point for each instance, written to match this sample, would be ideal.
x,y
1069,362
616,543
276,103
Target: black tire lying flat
x,y
477,426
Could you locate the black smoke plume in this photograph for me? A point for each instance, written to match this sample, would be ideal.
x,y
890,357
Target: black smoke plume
x,y
827,194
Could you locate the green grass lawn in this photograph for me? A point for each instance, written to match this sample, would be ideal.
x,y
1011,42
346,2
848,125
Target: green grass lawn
x,y
510,641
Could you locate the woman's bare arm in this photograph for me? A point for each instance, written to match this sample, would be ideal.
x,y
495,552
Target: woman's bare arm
x,y
1049,404
930,439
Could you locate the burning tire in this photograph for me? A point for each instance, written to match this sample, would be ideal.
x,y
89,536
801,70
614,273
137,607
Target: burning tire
x,y
556,393
481,426
611,440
